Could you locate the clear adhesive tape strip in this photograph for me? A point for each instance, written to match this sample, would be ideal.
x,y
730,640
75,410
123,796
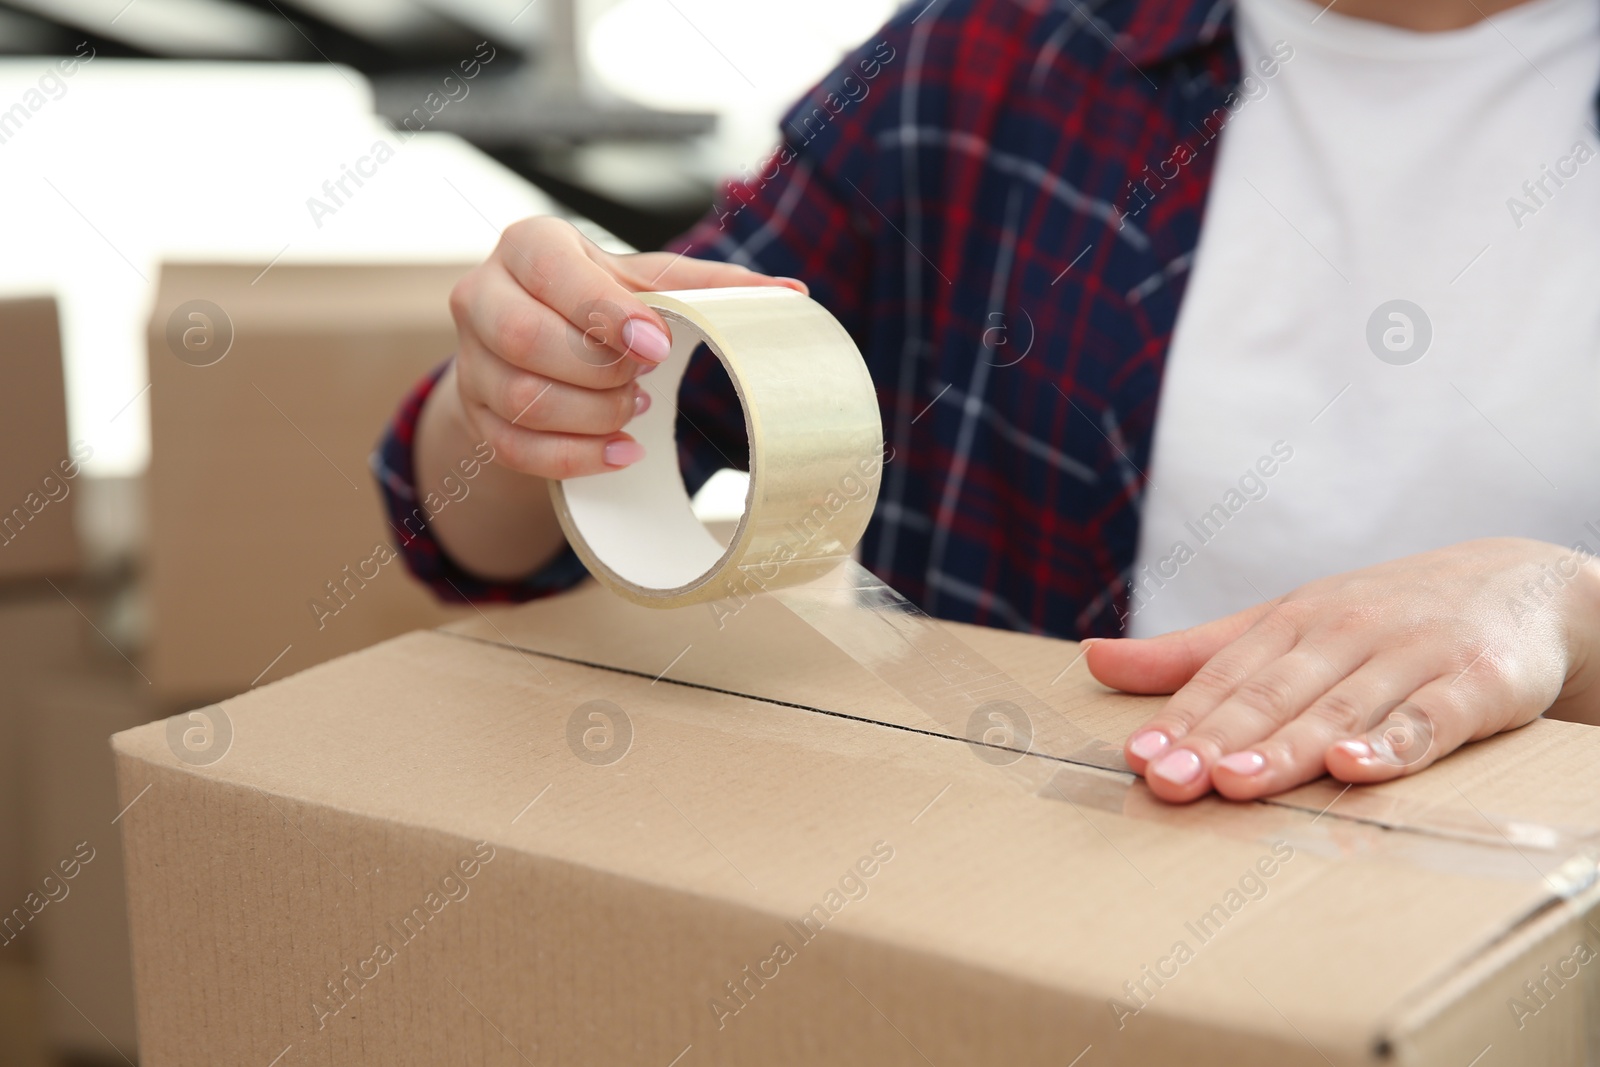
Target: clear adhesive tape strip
x,y
815,461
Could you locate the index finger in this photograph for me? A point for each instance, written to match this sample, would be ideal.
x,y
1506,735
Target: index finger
x,y
550,260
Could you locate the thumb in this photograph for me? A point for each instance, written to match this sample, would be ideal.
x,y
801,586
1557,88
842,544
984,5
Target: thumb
x,y
656,271
1163,664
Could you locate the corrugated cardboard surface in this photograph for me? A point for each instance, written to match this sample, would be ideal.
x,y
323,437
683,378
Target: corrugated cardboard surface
x,y
260,493
624,899
33,442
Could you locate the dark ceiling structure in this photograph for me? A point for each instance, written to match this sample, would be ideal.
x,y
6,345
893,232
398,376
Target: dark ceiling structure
x,y
531,108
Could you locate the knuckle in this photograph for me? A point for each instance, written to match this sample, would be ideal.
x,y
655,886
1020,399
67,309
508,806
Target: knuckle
x,y
594,343
1340,713
552,228
1265,692
1485,677
523,228
521,333
545,262
1406,736
1351,618
564,460
461,295
1288,753
1442,705
534,231
524,398
502,437
479,422
1478,657
614,376
1289,618
622,409
1216,679
467,359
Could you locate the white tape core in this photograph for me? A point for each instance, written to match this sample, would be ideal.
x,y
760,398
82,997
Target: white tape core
x,y
675,549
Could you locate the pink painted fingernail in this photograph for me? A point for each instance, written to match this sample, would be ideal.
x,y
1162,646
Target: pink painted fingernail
x,y
1149,744
1180,767
641,402
1356,749
622,452
645,339
647,369
1243,764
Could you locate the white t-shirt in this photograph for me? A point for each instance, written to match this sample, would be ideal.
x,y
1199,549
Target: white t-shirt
x,y
1309,426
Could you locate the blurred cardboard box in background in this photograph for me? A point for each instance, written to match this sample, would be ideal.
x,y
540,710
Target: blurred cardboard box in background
x,y
266,401
40,636
65,689
270,388
81,935
64,940
38,469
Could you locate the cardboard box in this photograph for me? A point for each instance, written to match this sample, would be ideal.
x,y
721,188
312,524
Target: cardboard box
x,y
40,636
20,1042
572,837
66,691
38,469
79,937
269,391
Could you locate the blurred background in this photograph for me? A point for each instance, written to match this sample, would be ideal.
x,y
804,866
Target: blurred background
x,y
230,229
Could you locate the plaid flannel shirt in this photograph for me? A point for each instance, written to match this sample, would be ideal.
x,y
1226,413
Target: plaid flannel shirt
x,y
1000,201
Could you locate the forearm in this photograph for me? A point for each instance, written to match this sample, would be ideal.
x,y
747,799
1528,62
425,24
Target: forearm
x,y
505,527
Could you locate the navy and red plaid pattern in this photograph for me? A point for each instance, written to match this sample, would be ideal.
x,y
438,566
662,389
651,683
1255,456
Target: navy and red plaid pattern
x,y
984,194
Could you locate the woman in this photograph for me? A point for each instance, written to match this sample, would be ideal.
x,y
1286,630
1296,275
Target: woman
x,y
1268,325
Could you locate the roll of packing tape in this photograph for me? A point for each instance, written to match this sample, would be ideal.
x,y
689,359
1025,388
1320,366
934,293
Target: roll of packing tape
x,y
815,461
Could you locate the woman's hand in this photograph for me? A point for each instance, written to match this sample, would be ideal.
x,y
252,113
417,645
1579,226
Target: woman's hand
x,y
551,338
1368,675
